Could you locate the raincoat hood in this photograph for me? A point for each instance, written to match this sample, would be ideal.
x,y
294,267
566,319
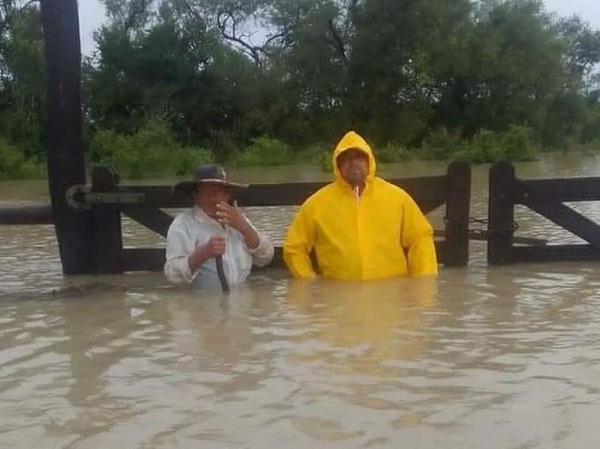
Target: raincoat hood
x,y
353,141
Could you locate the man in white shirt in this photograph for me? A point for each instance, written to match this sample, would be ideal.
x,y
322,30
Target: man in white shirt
x,y
213,229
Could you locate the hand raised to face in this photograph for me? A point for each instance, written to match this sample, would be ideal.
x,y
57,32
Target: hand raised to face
x,y
231,215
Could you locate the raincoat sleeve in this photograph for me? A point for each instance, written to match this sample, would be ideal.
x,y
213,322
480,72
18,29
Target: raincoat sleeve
x,y
299,243
417,240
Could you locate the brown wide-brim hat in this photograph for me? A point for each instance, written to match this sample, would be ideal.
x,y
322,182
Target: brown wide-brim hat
x,y
207,174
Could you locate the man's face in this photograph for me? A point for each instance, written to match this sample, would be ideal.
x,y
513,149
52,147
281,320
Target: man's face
x,y
353,166
207,196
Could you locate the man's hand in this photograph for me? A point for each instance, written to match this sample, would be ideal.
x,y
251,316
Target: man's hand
x,y
215,247
231,216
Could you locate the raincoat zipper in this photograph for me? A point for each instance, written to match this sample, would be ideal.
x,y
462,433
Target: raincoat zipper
x,y
356,192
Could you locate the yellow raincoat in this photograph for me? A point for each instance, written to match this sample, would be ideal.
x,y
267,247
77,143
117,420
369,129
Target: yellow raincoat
x,y
380,234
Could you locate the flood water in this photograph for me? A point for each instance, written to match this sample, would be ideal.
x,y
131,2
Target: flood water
x,y
502,357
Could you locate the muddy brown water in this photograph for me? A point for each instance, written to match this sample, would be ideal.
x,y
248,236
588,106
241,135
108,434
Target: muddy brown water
x,y
502,357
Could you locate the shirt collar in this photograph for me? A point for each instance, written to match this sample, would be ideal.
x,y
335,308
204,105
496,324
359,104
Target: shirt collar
x,y
202,217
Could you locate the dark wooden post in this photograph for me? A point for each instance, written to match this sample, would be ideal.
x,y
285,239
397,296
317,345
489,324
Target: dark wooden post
x,y
74,228
501,213
108,240
458,206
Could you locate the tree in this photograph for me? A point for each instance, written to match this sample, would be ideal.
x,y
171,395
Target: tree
x,y
222,72
583,50
22,77
516,68
401,57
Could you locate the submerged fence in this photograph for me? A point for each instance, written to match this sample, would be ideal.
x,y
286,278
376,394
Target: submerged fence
x,y
545,197
88,219
107,200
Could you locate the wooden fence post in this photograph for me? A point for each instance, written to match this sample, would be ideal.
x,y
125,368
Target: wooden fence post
x,y
458,206
74,228
108,240
501,213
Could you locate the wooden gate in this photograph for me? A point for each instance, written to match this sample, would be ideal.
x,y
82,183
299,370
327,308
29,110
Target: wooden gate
x,y
144,204
545,197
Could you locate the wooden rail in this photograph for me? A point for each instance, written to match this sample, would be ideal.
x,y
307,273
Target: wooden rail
x,y
452,189
110,256
545,197
27,215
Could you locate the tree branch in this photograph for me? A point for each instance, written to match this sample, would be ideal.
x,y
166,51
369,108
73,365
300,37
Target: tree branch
x,y
29,3
251,50
338,43
195,14
137,10
275,37
9,10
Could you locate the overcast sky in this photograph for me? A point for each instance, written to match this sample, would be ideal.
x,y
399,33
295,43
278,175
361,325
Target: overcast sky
x,y
91,16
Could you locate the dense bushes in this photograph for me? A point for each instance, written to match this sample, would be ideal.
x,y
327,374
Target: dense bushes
x,y
263,151
427,79
152,151
13,165
516,144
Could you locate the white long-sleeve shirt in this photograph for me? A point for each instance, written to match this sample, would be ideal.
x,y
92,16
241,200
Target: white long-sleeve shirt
x,y
195,228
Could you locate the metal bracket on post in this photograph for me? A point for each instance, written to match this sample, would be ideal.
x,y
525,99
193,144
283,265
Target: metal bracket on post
x,y
81,197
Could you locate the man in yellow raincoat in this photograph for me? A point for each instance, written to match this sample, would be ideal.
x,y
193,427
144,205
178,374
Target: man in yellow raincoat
x,y
360,226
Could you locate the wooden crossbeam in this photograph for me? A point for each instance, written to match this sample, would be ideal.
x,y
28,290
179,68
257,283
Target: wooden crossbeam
x,y
565,190
429,192
559,213
27,215
154,219
569,219
556,253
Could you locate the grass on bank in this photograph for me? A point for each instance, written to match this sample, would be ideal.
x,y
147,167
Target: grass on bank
x,y
154,152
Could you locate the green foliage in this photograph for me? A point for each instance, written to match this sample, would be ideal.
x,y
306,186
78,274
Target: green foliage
x,y
440,144
566,115
263,151
448,78
405,73
591,125
310,155
483,147
517,144
14,165
326,162
516,67
22,80
150,152
392,153
583,51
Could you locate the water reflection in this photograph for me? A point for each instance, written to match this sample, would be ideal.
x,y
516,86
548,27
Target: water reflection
x,y
469,355
360,327
98,338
